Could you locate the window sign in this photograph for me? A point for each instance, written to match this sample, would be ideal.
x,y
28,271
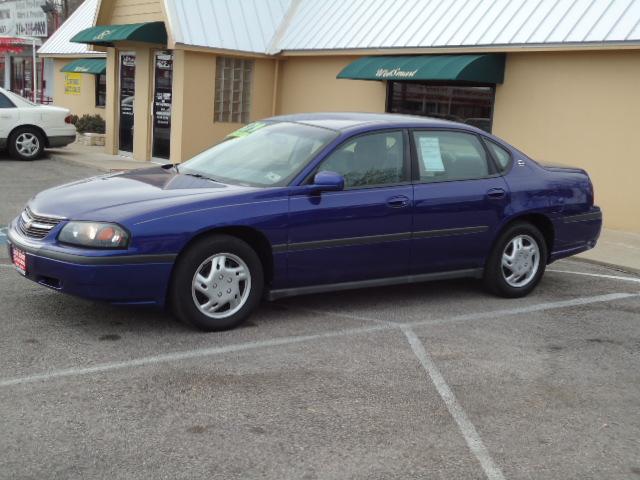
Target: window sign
x,y
430,154
72,83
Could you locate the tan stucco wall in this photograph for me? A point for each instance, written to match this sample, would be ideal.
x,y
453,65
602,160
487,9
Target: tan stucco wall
x,y
118,12
82,104
579,108
192,120
309,84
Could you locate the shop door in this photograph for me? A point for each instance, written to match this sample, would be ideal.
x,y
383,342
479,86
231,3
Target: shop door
x,y
162,97
127,96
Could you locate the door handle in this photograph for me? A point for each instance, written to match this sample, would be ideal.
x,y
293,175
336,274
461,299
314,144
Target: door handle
x,y
398,202
496,193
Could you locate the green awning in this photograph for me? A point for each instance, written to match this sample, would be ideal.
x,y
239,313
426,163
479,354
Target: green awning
x,y
486,68
96,66
153,32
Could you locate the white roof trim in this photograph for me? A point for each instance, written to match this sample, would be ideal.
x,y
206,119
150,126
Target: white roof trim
x,y
59,43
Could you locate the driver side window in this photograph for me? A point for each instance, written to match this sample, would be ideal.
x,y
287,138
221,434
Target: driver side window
x,y
369,160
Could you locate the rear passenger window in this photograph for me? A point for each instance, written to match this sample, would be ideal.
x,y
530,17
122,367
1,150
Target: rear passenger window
x,y
5,102
369,160
502,156
445,156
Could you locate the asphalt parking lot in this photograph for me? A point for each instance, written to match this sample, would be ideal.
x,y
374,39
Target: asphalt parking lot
x,y
430,381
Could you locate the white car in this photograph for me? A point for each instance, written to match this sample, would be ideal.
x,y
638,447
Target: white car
x,y
26,128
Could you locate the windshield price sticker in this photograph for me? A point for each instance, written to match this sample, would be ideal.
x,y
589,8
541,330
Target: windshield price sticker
x,y
247,130
431,155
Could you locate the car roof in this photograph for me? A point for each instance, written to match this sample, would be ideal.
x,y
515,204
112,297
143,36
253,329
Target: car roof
x,y
343,121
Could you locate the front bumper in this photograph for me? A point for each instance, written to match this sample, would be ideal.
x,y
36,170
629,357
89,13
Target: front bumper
x,y
121,279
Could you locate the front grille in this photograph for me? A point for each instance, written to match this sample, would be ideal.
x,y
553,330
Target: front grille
x,y
36,226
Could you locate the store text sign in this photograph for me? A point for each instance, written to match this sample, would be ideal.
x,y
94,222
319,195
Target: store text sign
x,y
395,73
72,83
23,18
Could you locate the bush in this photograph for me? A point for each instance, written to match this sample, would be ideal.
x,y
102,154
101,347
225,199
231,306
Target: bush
x,y
90,124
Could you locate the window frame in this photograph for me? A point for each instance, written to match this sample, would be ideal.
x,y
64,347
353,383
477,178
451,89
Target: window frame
x,y
494,171
407,162
97,90
453,84
9,101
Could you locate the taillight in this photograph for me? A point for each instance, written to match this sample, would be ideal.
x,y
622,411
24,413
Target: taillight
x,y
68,119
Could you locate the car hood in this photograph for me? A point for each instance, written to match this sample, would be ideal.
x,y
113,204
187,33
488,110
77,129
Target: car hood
x,y
121,196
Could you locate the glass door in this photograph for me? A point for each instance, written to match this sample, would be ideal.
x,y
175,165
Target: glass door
x,y
127,97
162,99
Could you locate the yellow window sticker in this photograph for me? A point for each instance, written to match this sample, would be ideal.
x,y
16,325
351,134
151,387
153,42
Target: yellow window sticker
x,y
247,130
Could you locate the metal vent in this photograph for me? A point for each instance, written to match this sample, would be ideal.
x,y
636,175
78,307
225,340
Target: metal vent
x,y
36,226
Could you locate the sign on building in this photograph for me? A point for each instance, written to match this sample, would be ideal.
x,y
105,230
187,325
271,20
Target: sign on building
x,y
72,83
23,18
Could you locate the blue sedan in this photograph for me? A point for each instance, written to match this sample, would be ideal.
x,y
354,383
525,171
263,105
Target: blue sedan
x,y
304,204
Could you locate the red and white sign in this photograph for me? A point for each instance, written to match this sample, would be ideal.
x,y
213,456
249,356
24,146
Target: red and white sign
x,y
19,260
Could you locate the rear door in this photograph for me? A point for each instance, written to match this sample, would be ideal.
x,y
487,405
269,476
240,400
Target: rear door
x,y
362,232
460,200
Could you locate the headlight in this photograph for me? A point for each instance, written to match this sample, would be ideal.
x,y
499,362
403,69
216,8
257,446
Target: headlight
x,y
94,235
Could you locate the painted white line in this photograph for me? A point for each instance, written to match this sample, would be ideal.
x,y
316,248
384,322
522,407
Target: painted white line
x,y
185,355
469,432
5,265
611,277
348,316
538,307
206,352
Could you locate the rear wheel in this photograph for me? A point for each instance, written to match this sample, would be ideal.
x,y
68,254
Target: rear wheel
x,y
217,283
517,261
26,143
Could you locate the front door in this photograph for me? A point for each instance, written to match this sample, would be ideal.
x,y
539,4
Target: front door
x,y
460,200
362,232
162,99
127,98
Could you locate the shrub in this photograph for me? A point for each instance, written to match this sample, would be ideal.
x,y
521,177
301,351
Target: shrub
x,y
90,124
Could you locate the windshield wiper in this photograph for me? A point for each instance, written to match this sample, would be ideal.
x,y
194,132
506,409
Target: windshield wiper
x,y
199,175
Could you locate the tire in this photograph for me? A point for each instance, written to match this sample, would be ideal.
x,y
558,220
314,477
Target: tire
x,y
527,267
220,301
26,143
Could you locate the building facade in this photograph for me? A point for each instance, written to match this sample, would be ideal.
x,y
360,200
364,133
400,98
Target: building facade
x,y
558,80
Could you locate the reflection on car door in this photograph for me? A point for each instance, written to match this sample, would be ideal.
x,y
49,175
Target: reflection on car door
x,y
362,232
460,199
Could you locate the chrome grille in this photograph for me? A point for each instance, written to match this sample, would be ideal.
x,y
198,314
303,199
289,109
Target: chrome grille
x,y
36,226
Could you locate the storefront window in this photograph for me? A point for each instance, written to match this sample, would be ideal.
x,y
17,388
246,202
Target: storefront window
x,y
101,90
2,70
472,105
233,89
22,76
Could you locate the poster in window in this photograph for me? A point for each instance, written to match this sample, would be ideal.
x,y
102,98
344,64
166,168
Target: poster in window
x,y
72,83
430,154
163,91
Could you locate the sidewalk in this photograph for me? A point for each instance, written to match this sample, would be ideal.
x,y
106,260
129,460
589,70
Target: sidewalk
x,y
94,157
616,249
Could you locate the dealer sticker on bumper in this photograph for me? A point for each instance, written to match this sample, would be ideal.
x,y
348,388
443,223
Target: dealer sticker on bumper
x,y
19,258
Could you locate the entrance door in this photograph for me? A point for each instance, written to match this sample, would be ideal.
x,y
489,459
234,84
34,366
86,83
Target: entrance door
x,y
127,97
162,98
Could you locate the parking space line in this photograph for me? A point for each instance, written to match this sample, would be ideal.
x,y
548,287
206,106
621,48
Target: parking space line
x,y
538,307
205,352
469,432
586,274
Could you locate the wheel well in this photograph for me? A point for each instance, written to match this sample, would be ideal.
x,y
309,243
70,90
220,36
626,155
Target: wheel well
x,y
542,223
253,237
35,127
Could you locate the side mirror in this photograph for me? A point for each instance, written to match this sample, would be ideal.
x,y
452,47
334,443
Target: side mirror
x,y
328,182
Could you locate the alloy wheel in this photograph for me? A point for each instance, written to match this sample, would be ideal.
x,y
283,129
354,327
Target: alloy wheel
x,y
520,261
27,144
221,285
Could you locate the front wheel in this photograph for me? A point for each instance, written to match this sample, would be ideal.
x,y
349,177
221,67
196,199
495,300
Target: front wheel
x,y
217,283
26,144
517,262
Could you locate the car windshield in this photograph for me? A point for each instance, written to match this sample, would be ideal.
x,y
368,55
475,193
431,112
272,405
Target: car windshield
x,y
261,154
